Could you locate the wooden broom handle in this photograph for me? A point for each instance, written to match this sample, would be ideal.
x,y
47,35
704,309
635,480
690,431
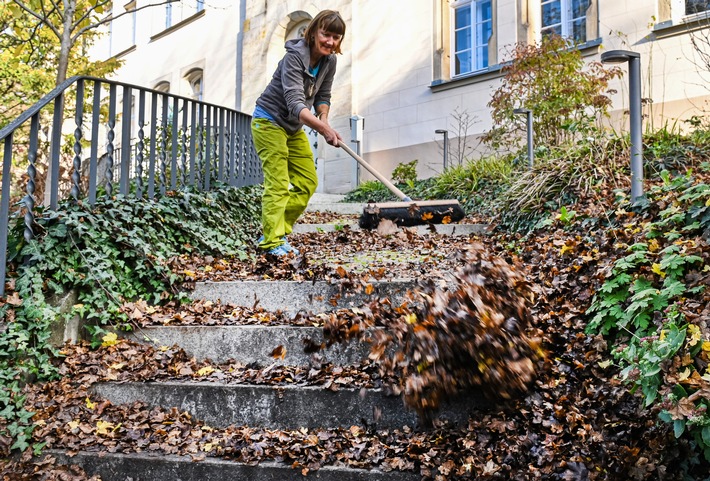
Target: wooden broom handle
x,y
404,197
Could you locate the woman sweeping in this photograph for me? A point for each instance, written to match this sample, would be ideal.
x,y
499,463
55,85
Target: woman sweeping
x,y
302,81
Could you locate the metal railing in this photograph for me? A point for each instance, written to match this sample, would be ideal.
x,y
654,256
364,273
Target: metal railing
x,y
157,143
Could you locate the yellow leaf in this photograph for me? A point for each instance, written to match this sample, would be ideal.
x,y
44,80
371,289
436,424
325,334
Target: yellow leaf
x,y
205,371
565,249
208,268
190,274
207,447
117,366
682,376
695,334
110,339
411,318
706,346
657,269
72,425
604,364
89,404
653,245
427,216
103,427
163,348
662,336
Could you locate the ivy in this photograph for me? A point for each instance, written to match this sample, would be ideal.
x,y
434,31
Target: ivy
x,y
116,251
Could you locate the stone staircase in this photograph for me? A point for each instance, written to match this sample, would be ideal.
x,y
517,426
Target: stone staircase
x,y
283,407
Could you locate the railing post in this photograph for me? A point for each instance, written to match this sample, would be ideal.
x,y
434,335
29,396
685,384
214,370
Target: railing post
x,y
126,140
5,210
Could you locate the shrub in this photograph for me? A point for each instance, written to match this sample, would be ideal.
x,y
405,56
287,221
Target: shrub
x,y
549,80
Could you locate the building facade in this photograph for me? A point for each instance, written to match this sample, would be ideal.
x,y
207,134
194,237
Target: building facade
x,y
409,68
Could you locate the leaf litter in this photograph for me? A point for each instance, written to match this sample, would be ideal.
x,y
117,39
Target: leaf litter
x,y
576,421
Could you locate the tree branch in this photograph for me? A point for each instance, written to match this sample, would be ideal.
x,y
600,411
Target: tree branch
x,y
88,13
44,20
110,18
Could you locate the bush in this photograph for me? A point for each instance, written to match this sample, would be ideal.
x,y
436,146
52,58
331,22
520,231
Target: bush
x,y
548,79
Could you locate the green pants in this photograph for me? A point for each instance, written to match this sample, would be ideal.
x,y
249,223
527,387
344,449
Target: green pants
x,y
287,160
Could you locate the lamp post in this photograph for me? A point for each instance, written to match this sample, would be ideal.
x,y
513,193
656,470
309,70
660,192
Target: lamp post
x,y
446,145
634,61
531,150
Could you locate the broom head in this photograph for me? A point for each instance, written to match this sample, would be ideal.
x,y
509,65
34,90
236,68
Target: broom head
x,y
407,214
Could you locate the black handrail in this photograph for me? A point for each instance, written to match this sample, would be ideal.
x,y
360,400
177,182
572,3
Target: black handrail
x,y
190,143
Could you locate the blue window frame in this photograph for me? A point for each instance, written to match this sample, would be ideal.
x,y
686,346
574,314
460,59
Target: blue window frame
x,y
473,27
566,18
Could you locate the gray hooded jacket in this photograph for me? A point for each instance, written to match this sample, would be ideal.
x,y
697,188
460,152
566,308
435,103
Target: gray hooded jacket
x,y
292,88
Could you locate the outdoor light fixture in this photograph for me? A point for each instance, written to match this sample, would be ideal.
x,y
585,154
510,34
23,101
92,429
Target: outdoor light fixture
x,y
529,114
634,61
446,144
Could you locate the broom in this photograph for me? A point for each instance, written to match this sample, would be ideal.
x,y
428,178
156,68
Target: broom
x,y
408,212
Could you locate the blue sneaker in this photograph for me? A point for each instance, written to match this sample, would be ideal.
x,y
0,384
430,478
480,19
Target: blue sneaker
x,y
278,251
286,245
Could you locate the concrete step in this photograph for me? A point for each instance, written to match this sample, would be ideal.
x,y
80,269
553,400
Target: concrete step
x,y
281,407
292,297
250,344
443,229
146,467
342,208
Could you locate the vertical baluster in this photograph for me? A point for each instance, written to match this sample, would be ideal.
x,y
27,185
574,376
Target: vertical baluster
x,y
174,138
28,200
230,148
126,140
193,140
200,171
215,143
208,148
79,118
164,145
93,162
153,140
110,136
239,156
55,150
222,133
183,146
5,208
141,144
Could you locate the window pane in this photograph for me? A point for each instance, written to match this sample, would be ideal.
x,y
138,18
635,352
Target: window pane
x,y
579,8
463,39
548,32
463,17
696,6
463,62
483,33
485,11
579,30
551,13
482,57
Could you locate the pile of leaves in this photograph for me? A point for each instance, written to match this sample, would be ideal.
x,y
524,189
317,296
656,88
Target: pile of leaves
x,y
471,333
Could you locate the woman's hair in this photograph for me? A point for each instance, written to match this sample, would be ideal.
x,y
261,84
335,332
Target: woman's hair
x,y
329,21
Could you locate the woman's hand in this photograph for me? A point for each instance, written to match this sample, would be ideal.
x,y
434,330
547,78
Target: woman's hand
x,y
321,125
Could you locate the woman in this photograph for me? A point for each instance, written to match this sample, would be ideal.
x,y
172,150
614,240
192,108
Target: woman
x,y
303,80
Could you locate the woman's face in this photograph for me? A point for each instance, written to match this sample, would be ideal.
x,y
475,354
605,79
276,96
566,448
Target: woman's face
x,y
325,43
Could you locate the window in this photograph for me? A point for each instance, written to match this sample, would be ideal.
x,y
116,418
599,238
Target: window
x,y
567,18
168,15
195,78
200,5
696,6
473,27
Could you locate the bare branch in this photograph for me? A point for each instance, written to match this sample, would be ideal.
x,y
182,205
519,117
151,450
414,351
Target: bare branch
x,y
88,13
110,18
